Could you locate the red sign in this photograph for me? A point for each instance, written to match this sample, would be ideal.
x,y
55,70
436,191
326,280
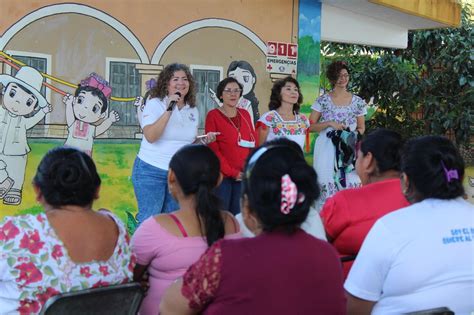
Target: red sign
x,y
282,57
282,49
271,48
292,51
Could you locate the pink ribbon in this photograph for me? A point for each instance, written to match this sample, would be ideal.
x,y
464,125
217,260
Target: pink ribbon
x,y
96,81
289,194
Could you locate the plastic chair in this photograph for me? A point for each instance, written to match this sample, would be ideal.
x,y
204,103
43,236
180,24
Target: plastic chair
x,y
123,299
433,311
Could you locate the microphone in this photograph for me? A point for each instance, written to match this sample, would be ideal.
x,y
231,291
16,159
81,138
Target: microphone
x,y
173,103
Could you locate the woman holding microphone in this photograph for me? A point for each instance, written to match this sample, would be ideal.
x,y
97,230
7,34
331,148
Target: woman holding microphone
x,y
170,121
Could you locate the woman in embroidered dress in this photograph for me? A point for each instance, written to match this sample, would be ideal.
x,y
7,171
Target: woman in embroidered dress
x,y
233,144
169,122
337,110
168,244
284,119
283,270
69,246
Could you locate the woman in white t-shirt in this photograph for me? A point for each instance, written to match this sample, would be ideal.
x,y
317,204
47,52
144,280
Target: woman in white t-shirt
x,y
169,122
284,119
419,257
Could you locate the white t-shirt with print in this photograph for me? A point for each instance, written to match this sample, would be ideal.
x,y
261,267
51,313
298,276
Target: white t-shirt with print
x,y
417,258
180,130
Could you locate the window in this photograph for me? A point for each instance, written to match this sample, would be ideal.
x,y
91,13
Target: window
x,y
125,82
206,78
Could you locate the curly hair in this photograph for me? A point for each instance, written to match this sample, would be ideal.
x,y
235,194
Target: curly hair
x,y
161,89
275,97
333,70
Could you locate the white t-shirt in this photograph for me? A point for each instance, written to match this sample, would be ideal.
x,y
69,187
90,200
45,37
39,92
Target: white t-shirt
x,y
417,258
312,225
180,130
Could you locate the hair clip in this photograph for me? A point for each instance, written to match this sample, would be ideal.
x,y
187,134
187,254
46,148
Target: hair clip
x,y
450,174
289,194
150,84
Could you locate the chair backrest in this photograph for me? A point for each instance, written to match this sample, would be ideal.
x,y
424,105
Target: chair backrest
x,y
123,299
433,311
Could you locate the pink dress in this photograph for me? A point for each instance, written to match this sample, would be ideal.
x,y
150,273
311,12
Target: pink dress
x,y
167,256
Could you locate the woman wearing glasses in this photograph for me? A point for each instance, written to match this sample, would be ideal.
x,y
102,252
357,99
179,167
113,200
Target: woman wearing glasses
x,y
284,119
342,112
235,140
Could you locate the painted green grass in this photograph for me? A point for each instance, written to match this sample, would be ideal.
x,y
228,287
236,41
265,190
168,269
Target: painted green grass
x,y
114,161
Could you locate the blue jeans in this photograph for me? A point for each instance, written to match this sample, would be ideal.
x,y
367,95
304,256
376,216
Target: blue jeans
x,y
150,184
229,193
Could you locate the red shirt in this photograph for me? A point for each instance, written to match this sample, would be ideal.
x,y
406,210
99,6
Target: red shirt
x,y
350,214
230,154
273,273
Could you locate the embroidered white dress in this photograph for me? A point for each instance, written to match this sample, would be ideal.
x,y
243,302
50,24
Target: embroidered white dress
x,y
324,150
294,130
35,265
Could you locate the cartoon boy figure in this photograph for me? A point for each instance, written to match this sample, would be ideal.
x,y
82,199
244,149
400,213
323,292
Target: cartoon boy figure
x,y
85,110
22,107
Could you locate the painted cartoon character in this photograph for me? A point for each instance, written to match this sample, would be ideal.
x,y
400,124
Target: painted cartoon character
x,y
245,74
141,101
85,109
22,107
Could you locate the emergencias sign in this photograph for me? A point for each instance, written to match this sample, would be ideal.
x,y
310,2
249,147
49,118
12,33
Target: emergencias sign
x,y
282,57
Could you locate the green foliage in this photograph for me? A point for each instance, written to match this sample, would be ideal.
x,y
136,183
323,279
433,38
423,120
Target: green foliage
x,y
308,60
433,76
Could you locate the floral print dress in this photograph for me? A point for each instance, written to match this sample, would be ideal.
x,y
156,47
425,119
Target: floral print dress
x,y
35,265
295,130
324,150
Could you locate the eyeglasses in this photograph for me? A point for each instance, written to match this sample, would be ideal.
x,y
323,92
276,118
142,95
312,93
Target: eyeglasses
x,y
343,76
230,91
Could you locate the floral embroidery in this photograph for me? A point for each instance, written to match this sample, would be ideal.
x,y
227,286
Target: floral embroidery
x,y
281,127
104,270
32,242
86,271
346,115
8,231
201,281
37,262
57,252
28,273
29,307
49,292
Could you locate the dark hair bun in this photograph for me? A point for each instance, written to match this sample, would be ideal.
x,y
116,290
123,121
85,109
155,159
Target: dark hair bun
x,y
263,187
423,161
67,176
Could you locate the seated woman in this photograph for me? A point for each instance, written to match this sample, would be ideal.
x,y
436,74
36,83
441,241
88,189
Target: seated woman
x,y
313,224
349,214
282,270
419,257
69,246
168,244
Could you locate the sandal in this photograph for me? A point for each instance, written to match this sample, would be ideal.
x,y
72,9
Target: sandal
x,y
13,197
5,186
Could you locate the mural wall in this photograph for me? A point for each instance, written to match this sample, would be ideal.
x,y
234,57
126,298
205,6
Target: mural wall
x,y
116,49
